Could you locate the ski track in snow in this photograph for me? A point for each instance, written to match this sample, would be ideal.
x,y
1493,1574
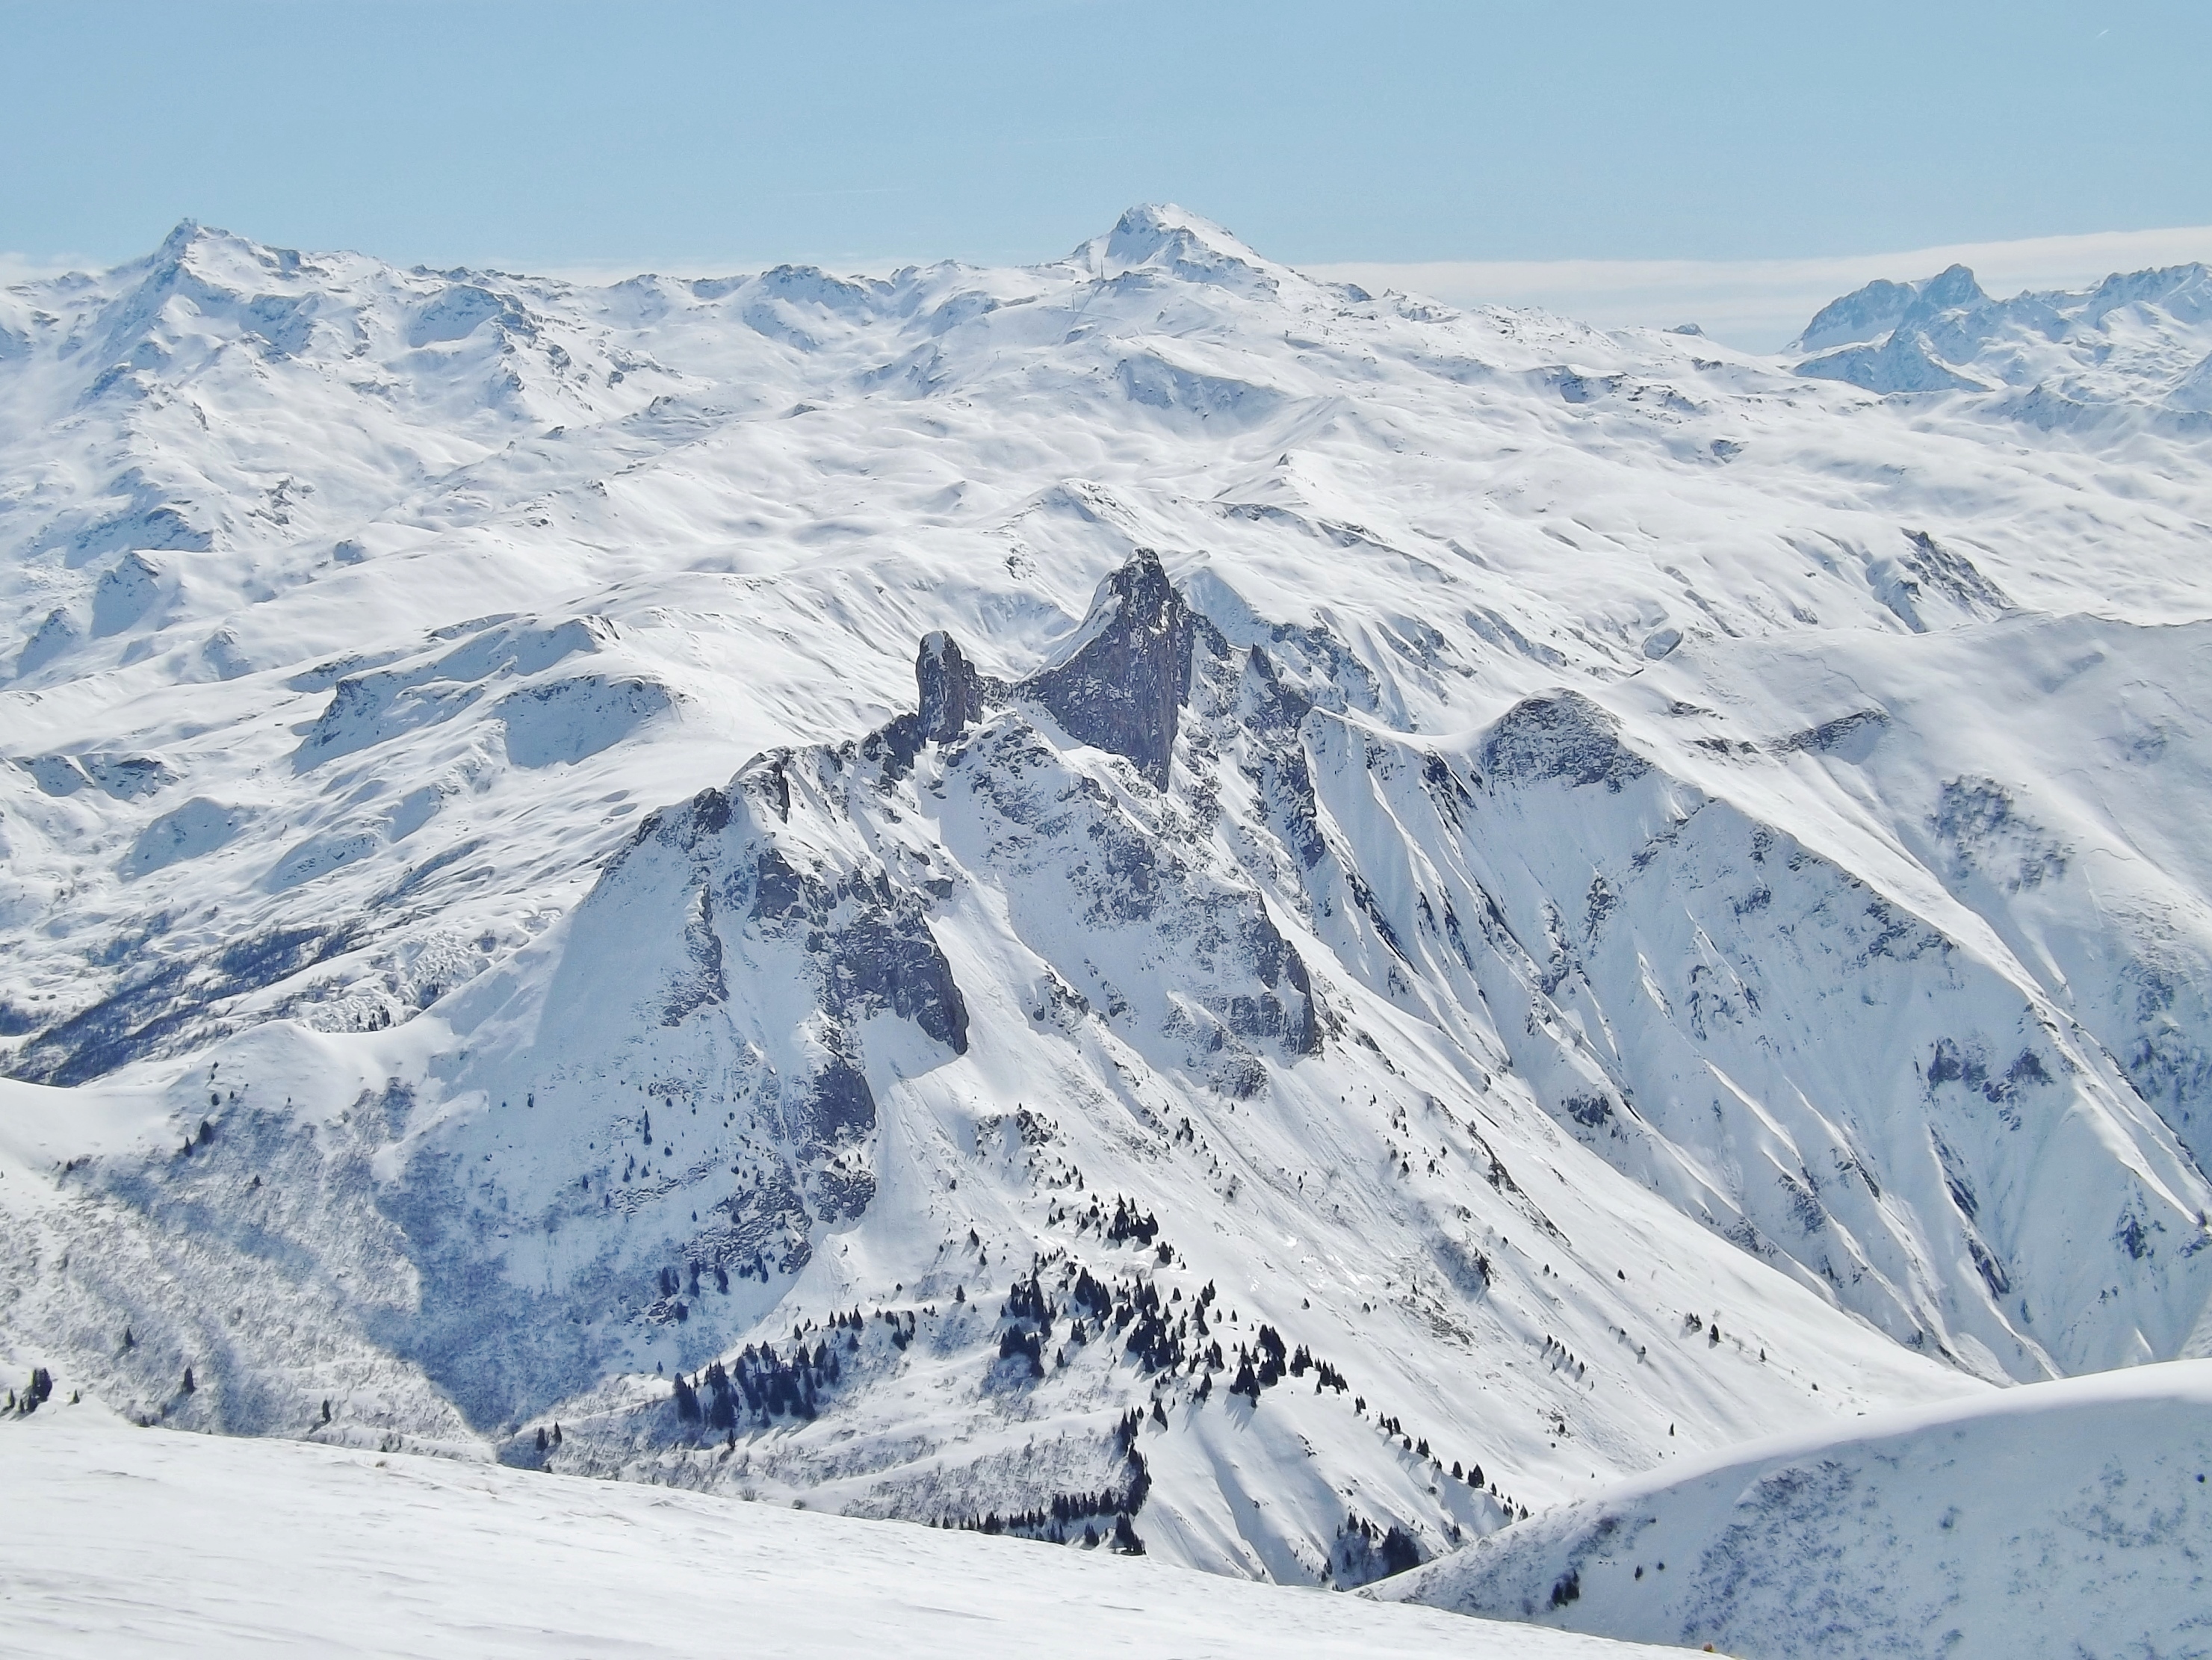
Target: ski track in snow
x,y
1607,895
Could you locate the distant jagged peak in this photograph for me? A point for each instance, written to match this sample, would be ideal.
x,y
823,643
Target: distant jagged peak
x,y
1904,362
186,232
1160,236
2131,337
270,292
2183,292
1950,288
1866,315
1869,312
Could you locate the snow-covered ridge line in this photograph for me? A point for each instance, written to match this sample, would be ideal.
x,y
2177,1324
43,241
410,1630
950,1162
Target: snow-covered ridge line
x,y
2142,338
2068,1516
1141,867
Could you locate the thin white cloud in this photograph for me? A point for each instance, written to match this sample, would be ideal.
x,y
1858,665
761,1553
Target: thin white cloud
x,y
25,268
1760,304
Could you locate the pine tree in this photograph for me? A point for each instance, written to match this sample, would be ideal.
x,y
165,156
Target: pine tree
x,y
189,1385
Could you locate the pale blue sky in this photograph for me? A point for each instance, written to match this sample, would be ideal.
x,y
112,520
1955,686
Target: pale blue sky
x,y
543,134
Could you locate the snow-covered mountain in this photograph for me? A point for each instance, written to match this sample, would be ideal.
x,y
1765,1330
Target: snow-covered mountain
x,y
1140,896
2138,344
2069,1517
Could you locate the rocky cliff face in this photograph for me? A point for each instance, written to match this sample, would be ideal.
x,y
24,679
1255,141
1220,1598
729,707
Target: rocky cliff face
x,y
1122,689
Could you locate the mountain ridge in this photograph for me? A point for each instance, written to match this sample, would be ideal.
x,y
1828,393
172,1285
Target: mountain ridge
x,y
834,891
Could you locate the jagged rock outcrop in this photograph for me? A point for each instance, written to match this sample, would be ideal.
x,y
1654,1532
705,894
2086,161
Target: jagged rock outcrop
x,y
951,691
1122,688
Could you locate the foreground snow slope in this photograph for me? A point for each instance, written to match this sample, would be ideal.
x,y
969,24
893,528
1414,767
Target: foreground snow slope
x,y
131,1542
1135,894
2066,1518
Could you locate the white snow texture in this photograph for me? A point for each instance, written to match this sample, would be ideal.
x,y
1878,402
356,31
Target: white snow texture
x,y
2069,1517
174,1545
1140,899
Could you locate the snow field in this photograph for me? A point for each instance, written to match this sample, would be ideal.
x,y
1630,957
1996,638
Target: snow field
x,y
136,1542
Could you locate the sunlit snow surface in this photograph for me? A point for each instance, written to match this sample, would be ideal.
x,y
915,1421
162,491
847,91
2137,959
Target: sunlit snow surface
x,y
149,1543
2067,1518
1675,908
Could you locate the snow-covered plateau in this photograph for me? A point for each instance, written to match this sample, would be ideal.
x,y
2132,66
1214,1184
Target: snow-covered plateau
x,y
1140,900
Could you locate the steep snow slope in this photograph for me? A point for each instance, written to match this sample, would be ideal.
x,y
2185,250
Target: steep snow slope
x,y
2069,1517
868,845
147,1543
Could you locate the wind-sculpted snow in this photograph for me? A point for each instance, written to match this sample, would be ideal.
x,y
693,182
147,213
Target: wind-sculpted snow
x,y
1138,899
2068,1518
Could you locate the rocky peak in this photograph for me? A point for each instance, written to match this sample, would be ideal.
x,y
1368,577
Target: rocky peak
x,y
951,691
1123,686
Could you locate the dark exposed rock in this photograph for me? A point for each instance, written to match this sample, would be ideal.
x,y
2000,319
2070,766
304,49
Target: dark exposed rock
x,y
870,942
1123,688
842,1107
1562,736
170,1006
1853,734
1948,572
704,983
1271,706
951,692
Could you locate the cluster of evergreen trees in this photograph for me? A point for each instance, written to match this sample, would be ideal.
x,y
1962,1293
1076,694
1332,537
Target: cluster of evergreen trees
x,y
1127,1222
1366,1553
767,1385
35,1393
1030,1314
1078,1517
1026,1300
1153,1341
762,1385
1016,1341
1091,1294
1035,1525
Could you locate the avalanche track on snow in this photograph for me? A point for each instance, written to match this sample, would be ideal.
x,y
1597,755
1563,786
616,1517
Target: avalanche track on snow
x,y
1138,899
